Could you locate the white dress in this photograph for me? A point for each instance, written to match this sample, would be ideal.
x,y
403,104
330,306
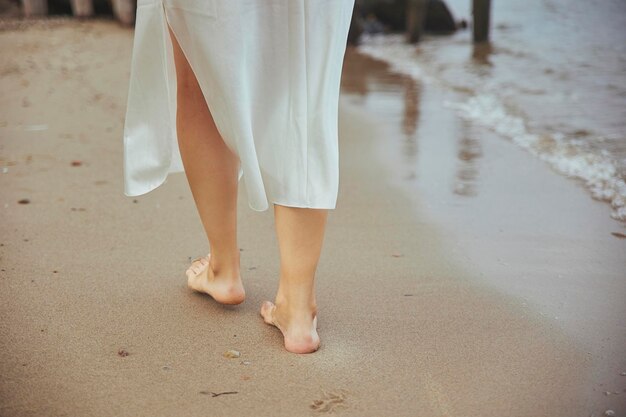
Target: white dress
x,y
270,72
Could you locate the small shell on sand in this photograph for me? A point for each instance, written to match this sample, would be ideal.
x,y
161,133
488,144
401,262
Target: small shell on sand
x,y
609,413
231,354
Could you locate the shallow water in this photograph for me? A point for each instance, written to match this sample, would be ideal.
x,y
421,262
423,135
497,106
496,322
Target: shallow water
x,y
552,80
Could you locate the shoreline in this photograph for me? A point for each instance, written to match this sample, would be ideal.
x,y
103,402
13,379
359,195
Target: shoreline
x,y
513,223
575,153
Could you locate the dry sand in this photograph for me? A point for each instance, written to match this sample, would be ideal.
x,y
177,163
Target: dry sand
x,y
416,319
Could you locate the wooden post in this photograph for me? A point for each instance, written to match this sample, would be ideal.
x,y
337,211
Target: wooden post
x,y
124,11
415,17
481,10
35,7
82,8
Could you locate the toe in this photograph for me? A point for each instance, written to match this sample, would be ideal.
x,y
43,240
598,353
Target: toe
x,y
267,310
199,265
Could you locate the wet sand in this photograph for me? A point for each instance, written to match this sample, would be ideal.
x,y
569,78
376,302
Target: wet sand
x,y
415,316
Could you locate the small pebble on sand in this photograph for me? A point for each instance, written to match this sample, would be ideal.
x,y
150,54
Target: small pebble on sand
x,y
609,413
623,373
245,363
231,354
76,163
24,201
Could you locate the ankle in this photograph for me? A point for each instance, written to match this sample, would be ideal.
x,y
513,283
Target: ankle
x,y
296,310
224,267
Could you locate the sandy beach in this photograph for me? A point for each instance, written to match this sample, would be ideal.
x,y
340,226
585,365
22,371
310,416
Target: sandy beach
x,y
459,276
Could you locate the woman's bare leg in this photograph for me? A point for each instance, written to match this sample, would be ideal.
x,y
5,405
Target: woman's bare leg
x,y
211,169
300,234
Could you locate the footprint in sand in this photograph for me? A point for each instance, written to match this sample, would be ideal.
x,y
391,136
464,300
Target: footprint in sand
x,y
330,402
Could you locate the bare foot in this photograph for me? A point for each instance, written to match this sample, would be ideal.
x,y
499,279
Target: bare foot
x,y
300,334
224,290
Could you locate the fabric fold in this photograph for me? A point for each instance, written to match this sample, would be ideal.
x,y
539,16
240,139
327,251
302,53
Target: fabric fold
x,y
270,75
